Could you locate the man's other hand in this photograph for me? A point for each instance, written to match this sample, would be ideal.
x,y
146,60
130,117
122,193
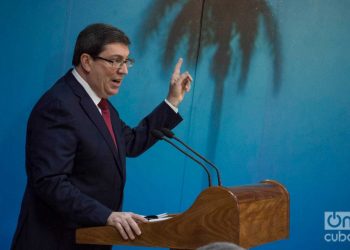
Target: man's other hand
x,y
126,223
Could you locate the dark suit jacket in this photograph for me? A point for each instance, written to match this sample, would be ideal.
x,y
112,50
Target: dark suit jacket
x,y
76,175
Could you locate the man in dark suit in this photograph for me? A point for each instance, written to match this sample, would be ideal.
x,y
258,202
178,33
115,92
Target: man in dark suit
x,y
76,146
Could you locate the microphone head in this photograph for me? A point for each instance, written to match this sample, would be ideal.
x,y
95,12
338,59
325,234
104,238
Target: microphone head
x,y
167,132
156,133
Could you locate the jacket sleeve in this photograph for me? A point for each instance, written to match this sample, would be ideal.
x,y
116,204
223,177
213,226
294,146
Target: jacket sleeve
x,y
50,151
139,139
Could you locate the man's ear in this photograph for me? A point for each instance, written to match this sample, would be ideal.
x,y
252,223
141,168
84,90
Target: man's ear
x,y
85,62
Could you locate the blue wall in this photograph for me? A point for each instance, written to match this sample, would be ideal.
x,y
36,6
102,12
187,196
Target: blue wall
x,y
299,136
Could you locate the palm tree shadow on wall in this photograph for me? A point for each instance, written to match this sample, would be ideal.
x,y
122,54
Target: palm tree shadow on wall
x,y
205,23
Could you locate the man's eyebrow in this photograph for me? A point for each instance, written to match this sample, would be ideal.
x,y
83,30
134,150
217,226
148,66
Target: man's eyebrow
x,y
118,57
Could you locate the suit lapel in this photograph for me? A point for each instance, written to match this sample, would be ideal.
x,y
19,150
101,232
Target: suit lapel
x,y
118,135
91,110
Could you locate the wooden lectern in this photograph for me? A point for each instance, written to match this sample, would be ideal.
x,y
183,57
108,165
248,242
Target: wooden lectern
x,y
247,215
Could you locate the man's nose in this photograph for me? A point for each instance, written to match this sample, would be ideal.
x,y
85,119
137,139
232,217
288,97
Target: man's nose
x,y
123,69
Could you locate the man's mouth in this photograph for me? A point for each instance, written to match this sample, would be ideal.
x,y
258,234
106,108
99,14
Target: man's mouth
x,y
118,81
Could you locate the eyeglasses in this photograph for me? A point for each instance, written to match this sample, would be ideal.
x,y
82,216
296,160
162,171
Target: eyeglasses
x,y
118,62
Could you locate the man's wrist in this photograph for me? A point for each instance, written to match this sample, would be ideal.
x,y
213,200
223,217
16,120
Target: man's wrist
x,y
174,101
171,105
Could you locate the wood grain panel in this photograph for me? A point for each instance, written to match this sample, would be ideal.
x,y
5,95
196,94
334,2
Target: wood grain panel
x,y
246,215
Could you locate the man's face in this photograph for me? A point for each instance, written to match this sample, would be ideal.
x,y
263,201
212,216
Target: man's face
x,y
103,78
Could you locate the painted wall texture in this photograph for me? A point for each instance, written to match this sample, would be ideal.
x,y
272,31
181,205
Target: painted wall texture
x,y
270,99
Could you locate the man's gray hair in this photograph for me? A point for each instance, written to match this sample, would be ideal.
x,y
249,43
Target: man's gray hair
x,y
221,246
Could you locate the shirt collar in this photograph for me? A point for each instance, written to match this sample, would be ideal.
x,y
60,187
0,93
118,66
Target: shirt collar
x,y
86,86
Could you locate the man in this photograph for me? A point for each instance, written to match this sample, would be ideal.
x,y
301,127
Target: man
x,y
76,146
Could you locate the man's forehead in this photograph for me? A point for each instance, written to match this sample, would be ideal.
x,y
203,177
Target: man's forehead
x,y
116,49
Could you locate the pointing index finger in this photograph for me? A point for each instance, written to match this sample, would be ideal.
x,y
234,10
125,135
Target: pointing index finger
x,y
178,67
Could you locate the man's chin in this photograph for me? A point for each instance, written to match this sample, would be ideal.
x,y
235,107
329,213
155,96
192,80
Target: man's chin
x,y
113,92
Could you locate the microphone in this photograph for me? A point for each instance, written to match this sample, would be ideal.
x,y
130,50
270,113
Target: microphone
x,y
170,134
159,135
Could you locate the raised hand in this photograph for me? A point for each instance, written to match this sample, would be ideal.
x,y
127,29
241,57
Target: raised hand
x,y
179,84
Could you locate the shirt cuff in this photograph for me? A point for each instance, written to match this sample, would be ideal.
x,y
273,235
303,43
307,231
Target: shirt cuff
x,y
176,110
